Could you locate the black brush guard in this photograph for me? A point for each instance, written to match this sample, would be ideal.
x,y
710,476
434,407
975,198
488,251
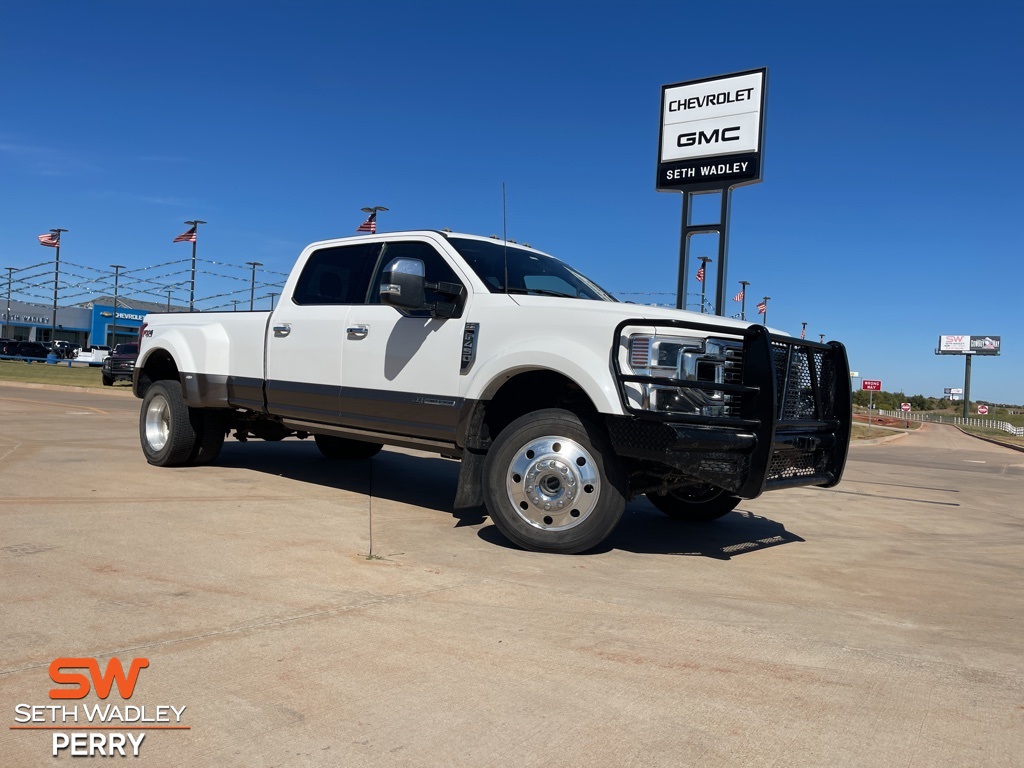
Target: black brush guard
x,y
793,425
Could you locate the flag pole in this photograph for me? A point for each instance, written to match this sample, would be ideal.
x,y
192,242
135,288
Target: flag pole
x,y
702,274
192,281
56,280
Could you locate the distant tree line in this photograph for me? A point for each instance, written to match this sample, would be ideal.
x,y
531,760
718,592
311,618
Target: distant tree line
x,y
890,401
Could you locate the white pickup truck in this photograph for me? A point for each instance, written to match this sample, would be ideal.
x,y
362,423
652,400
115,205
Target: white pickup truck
x,y
93,355
561,402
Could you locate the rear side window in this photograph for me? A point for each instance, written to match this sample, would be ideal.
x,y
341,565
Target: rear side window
x,y
338,275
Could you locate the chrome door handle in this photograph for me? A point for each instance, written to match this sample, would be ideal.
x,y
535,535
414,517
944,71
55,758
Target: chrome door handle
x,y
357,331
283,329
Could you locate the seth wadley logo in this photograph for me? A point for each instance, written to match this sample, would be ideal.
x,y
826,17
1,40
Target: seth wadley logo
x,y
96,730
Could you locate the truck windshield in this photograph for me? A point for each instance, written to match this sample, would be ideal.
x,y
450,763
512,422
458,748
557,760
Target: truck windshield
x,y
528,272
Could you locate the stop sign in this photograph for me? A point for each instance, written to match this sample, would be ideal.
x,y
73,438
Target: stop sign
x,y
904,406
983,409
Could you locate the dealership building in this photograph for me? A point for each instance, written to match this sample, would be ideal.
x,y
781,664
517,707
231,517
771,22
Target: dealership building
x,y
93,322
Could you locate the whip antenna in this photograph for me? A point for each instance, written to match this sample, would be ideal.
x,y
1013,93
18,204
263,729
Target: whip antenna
x,y
504,232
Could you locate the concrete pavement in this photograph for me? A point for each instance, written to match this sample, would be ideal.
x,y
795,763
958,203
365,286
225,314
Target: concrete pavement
x,y
311,613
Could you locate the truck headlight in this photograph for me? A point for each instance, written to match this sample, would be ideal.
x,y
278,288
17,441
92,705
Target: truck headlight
x,y
682,358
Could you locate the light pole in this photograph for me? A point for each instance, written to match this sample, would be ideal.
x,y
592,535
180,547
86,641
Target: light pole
x,y
803,330
235,302
169,299
252,284
272,295
702,274
56,279
821,337
762,308
7,325
113,332
743,299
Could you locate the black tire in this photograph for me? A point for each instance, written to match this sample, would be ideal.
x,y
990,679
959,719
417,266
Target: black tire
x,y
553,484
343,448
210,436
168,429
107,381
695,505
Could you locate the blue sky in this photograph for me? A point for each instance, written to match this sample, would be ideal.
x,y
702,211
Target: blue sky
x,y
890,210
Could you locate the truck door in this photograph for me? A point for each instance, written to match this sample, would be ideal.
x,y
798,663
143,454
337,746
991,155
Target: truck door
x,y
306,338
401,371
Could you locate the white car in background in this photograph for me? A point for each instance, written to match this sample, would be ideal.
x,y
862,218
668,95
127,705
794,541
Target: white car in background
x,y
94,355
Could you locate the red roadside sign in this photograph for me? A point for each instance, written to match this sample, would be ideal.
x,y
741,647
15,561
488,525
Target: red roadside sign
x,y
983,410
905,407
875,385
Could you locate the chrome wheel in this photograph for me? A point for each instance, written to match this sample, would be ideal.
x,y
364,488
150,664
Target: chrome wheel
x,y
157,423
554,483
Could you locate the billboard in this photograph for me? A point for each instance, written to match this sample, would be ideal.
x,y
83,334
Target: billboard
x,y
712,132
953,390
968,345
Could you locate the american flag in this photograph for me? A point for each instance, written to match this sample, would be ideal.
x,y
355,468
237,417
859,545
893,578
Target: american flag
x,y
50,239
187,237
762,307
738,296
803,333
700,274
370,225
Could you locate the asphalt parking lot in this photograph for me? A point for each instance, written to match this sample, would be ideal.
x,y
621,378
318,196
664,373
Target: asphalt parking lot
x,y
310,613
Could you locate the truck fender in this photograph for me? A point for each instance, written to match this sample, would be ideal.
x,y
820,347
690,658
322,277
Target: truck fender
x,y
589,370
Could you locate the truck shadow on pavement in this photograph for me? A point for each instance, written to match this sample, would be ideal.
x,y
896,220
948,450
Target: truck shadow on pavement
x,y
420,481
646,531
429,482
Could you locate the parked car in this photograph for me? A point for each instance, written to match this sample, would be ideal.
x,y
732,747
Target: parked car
x,y
93,355
28,349
120,364
66,349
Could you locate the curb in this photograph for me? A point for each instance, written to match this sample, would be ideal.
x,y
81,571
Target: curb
x,y
992,440
879,440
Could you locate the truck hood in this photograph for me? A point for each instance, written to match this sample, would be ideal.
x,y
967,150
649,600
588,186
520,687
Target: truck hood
x,y
618,311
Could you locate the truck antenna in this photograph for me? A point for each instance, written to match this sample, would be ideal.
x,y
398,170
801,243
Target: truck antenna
x,y
504,232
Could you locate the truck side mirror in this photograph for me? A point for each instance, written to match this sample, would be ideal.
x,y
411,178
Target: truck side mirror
x,y
403,284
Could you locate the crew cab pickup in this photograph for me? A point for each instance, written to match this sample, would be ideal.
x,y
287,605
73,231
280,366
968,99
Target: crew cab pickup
x,y
561,402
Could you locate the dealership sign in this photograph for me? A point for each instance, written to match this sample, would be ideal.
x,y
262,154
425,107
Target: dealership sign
x,y
968,345
712,132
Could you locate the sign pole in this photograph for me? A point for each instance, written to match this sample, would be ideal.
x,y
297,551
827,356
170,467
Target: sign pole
x,y
720,228
967,386
871,409
723,250
684,253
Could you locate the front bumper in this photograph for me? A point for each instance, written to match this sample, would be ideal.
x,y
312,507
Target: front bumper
x,y
119,370
793,422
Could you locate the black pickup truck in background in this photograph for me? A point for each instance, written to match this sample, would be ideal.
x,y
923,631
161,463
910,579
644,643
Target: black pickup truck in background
x,y
120,365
